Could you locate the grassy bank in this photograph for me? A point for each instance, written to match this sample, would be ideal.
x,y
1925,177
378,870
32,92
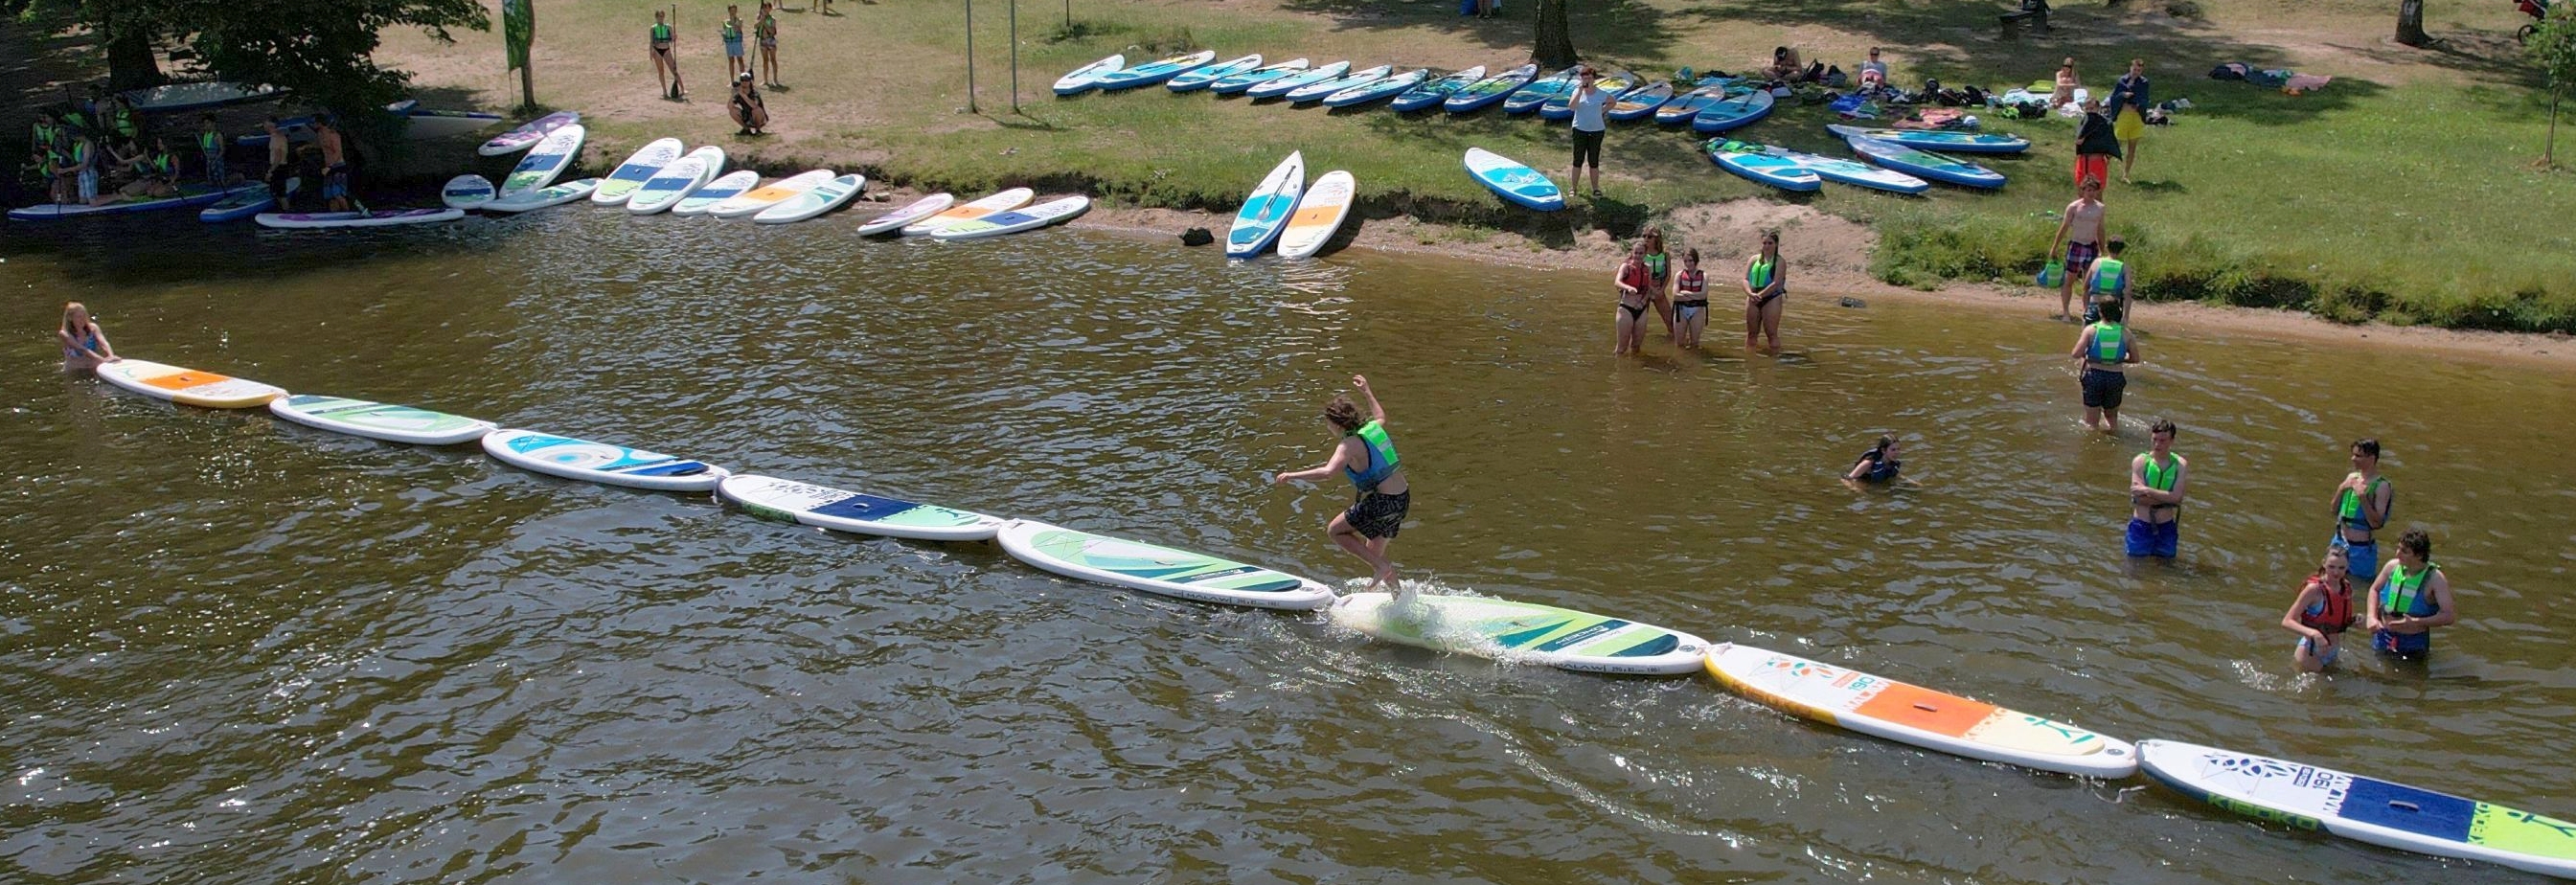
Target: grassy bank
x,y
2403,192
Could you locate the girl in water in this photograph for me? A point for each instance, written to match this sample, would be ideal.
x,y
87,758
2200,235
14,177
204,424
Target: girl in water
x,y
1659,271
1879,464
84,345
1632,279
2321,613
1690,301
1766,281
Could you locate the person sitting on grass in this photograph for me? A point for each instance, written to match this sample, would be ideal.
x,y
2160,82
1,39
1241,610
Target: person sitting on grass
x,y
2065,92
749,112
1873,73
1785,65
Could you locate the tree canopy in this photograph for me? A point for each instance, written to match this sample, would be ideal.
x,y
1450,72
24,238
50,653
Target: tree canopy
x,y
2552,48
323,50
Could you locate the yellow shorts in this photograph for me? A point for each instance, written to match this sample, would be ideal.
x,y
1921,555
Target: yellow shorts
x,y
2129,126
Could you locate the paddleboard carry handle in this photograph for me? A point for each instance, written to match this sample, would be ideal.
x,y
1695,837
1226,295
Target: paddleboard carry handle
x,y
2403,805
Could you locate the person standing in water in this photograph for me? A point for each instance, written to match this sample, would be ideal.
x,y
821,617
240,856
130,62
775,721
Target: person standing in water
x,y
2105,351
280,168
335,163
1766,283
663,41
2156,486
1631,279
2321,613
1690,301
84,344
2361,507
1659,283
1366,457
2081,233
2410,598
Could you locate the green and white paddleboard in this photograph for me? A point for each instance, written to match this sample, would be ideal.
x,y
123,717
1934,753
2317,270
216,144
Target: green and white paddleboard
x,y
843,511
1179,573
1520,631
391,423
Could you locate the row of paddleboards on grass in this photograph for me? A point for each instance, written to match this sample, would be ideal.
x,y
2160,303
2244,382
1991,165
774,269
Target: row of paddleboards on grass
x,y
2304,796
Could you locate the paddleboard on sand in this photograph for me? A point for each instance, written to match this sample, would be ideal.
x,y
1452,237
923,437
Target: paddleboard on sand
x,y
467,192
195,194
1925,164
1014,221
2364,809
375,218
1179,573
769,497
1476,96
527,134
187,387
724,187
1949,141
964,212
391,423
1319,214
911,212
1735,111
815,201
1084,79
1296,81
674,183
1268,208
1749,160
246,200
640,167
765,196
1202,77
1520,631
1886,708
1231,84
1514,180
1155,71
1431,93
600,462
553,195
546,160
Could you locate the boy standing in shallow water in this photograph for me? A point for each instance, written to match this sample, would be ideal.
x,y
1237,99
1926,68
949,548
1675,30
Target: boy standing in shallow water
x,y
2156,487
1366,457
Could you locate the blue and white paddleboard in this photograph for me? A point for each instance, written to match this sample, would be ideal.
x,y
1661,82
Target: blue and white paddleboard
x,y
551,195
674,183
1640,102
1352,80
467,192
1925,164
245,201
1155,71
769,497
1267,210
1233,84
545,161
1528,98
1202,77
600,462
1749,160
1384,87
639,168
1294,82
1561,105
1177,573
1949,141
1484,93
1514,180
724,187
1432,93
1732,112
1084,79
1683,108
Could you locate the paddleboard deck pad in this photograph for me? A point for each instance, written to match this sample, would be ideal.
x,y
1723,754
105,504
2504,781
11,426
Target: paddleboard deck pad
x,y
1162,570
1521,631
769,497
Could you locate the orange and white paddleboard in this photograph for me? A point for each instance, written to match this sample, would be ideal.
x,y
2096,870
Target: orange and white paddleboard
x,y
962,212
756,199
1883,707
1319,214
187,386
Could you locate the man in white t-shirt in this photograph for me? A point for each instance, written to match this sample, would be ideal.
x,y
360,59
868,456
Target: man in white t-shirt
x,y
1591,106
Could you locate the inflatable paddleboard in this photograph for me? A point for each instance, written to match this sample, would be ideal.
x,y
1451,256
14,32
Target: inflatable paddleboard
x,y
911,212
1514,180
1351,80
1084,79
724,187
1852,172
964,212
1179,573
815,201
1733,112
422,124
1482,93
1384,87
375,218
187,387
1319,214
1431,94
467,192
1156,71
1014,221
554,195
671,185
1233,84
1683,108
1750,160
1520,631
1296,81
1268,208
1529,98
527,134
2364,809
600,462
752,201
769,497
640,167
189,195
246,200
545,161
1201,77
1886,708
193,96
391,423
1641,102
1561,105
1925,164
1944,140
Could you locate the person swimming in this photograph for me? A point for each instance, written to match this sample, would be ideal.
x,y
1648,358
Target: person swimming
x,y
1879,464
2321,613
1365,455
85,346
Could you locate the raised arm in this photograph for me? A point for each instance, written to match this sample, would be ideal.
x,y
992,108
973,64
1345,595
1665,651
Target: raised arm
x,y
1376,412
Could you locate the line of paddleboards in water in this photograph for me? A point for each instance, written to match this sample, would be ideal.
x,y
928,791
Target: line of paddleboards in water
x,y
2282,791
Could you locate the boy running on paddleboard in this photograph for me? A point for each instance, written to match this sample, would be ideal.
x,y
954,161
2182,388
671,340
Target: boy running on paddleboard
x,y
1366,457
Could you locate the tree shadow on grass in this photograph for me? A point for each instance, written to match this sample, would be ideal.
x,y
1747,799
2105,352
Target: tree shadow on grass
x,y
1603,29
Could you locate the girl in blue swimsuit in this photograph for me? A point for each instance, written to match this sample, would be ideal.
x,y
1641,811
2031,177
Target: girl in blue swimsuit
x,y
84,346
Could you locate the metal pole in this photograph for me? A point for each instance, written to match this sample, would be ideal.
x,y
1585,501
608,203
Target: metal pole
x,y
1015,56
970,58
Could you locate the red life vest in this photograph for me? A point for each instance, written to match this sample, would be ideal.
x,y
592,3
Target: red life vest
x,y
2335,613
1635,275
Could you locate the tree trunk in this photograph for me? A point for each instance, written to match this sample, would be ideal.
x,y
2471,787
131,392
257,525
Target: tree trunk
x,y
2410,23
130,64
1555,40
2549,147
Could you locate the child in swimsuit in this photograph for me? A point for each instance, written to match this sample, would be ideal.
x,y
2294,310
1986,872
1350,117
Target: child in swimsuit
x,y
2321,613
1632,280
1766,279
1690,301
84,345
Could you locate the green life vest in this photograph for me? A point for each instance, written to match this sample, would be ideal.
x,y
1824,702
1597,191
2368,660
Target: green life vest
x,y
210,142
124,120
1758,274
2404,593
2110,342
1658,264
2160,477
2349,509
163,163
2109,275
44,136
732,31
661,33
1381,454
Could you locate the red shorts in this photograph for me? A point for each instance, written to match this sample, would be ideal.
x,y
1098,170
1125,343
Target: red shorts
x,y
2094,166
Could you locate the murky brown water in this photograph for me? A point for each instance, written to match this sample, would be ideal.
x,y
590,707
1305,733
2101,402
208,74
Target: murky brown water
x,y
234,650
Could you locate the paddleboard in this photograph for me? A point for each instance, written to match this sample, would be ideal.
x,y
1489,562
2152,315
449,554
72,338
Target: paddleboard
x,y
1084,79
911,212
246,200
1682,109
815,201
1296,81
467,192
752,201
1482,93
1735,111
724,187
555,195
2364,809
1748,160
1925,164
1201,77
1014,221
391,423
1514,180
1155,71
1179,573
546,160
1561,105
1384,87
1433,92
194,194
375,218
1641,102
1852,172
527,134
1528,98
1521,631
963,212
1882,707
1268,208
671,185
600,462
769,497
1353,79
1319,214
187,387
422,124
1948,141
640,167
192,96
1233,84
